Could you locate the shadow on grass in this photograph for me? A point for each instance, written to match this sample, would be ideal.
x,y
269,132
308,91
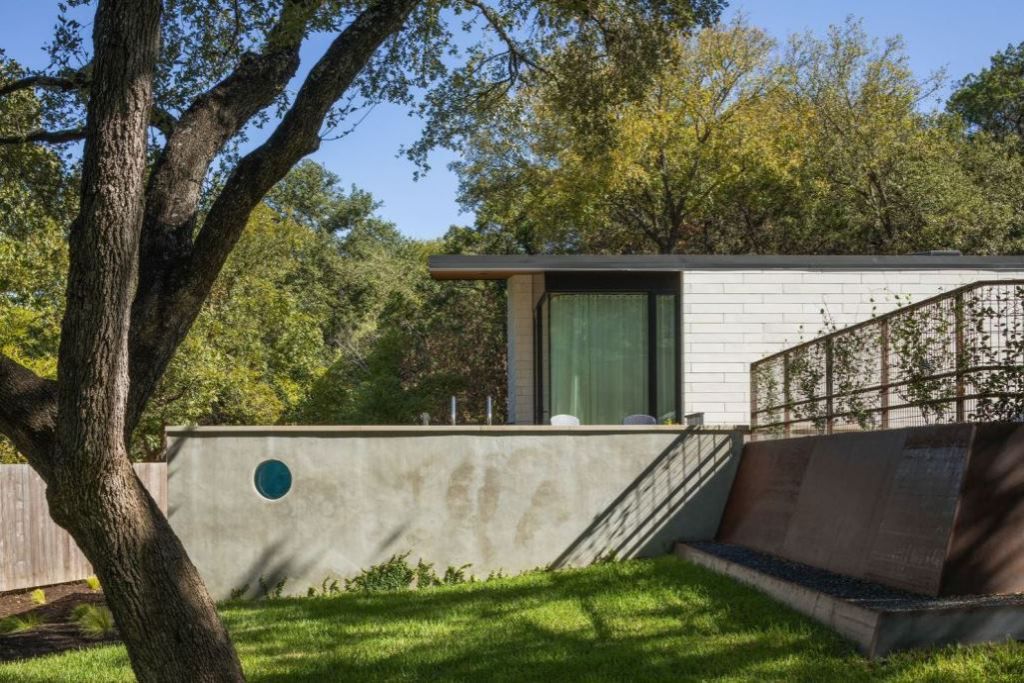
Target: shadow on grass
x,y
634,621
648,620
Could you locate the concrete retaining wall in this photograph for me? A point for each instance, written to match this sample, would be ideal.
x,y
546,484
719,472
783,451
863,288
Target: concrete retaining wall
x,y
510,498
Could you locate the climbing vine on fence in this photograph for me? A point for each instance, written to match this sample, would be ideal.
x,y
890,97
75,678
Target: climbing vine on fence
x,y
962,349
994,319
922,341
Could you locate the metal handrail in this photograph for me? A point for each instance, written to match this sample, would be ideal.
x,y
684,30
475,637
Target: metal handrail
x,y
959,372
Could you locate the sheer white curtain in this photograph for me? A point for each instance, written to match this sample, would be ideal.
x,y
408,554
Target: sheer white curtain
x,y
599,356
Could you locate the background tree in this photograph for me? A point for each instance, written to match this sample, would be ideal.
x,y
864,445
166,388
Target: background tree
x,y
158,95
735,145
993,99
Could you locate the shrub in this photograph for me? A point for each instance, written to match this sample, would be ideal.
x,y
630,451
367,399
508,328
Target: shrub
x,y
20,624
425,575
93,582
38,596
392,575
238,593
274,592
328,587
455,575
93,620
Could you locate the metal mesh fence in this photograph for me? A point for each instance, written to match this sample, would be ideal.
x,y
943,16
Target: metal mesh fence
x,y
957,357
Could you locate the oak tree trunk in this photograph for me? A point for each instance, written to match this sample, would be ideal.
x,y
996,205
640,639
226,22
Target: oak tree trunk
x,y
119,333
165,616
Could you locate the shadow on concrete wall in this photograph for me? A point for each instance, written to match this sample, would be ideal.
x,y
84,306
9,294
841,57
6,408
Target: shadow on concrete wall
x,y
679,496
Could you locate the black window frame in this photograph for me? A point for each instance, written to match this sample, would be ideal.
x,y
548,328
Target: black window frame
x,y
650,284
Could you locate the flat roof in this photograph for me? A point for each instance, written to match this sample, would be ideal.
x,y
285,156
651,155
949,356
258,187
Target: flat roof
x,y
492,267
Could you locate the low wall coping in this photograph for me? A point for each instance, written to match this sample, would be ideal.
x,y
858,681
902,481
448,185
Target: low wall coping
x,y
440,430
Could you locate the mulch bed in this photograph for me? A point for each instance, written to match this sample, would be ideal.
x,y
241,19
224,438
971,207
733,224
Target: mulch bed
x,y
57,632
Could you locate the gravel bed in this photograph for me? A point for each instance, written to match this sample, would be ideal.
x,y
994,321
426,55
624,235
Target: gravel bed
x,y
863,593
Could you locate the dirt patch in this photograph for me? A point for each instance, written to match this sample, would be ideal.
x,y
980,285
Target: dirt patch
x,y
56,631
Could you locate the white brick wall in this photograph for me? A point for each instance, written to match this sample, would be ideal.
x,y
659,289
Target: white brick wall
x,y
732,318
523,293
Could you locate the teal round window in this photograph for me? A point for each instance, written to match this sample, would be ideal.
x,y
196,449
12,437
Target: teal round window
x,y
273,479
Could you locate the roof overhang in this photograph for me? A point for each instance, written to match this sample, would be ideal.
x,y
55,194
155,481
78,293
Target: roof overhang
x,y
491,267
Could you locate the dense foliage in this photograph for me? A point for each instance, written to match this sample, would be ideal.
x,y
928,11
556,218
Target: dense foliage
x,y
738,145
729,143
323,314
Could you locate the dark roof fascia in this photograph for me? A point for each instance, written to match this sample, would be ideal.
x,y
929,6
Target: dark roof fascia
x,y
483,266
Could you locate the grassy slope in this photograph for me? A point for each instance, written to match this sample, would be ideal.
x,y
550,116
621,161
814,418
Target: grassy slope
x,y
641,620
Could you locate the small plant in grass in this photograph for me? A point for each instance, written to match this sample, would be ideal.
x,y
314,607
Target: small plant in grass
x,y
272,592
38,596
456,575
93,583
20,624
328,587
426,577
238,593
607,557
94,621
391,575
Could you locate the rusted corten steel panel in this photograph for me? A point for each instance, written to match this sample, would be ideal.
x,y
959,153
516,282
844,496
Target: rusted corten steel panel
x,y
986,553
763,495
883,506
916,521
841,496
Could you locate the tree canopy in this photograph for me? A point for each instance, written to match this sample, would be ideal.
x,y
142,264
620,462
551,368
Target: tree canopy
x,y
735,145
992,100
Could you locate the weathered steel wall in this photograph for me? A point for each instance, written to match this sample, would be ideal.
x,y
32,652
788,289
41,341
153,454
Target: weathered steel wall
x,y
986,553
34,551
934,510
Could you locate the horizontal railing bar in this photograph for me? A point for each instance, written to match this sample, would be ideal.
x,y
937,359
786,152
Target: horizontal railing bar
x,y
903,310
935,401
878,388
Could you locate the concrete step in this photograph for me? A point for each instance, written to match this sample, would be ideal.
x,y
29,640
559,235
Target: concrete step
x,y
877,619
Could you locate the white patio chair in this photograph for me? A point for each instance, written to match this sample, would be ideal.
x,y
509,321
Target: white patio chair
x,y
640,420
565,421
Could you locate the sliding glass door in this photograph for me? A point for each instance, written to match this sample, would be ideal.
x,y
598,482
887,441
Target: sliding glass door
x,y
606,355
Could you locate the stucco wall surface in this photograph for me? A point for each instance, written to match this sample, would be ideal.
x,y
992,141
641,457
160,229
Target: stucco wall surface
x,y
510,498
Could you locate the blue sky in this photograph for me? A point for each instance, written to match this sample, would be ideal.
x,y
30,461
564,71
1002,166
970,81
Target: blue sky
x,y
958,36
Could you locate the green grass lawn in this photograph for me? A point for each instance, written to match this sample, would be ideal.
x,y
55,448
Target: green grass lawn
x,y
640,620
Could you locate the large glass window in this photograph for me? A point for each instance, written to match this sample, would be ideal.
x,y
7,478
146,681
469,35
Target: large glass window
x,y
606,355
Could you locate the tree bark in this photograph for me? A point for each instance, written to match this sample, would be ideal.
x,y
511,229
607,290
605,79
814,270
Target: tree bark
x,y
178,275
165,616
119,333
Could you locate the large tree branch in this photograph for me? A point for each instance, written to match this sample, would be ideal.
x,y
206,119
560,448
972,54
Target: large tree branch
x,y
205,127
166,307
28,413
74,81
92,363
40,135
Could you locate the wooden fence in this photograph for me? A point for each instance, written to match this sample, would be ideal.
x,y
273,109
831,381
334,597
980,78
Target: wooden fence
x,y
34,551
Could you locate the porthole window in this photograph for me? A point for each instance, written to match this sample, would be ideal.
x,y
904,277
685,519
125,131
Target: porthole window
x,y
273,479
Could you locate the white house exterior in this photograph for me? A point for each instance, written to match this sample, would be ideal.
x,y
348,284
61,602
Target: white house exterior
x,y
732,310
